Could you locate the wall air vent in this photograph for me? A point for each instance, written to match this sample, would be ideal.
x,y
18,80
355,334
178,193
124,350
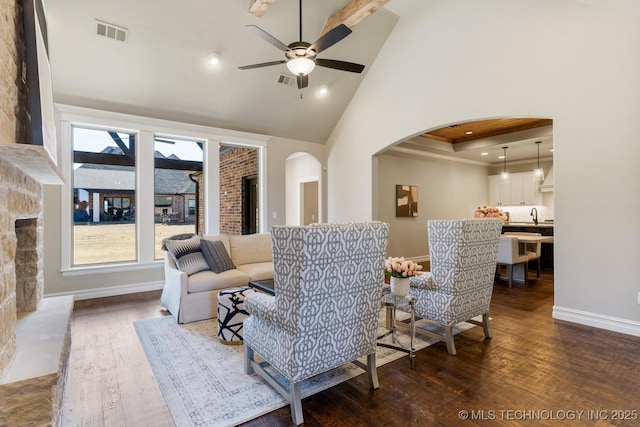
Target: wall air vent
x,y
111,31
286,79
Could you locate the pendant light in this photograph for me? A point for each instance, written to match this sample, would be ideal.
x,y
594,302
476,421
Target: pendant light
x,y
538,173
504,175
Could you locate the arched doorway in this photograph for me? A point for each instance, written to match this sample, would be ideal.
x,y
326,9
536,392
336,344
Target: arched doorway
x,y
303,197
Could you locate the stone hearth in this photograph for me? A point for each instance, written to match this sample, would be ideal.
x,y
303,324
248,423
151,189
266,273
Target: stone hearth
x,y
35,333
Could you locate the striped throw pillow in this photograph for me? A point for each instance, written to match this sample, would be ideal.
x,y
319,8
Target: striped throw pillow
x,y
216,255
187,255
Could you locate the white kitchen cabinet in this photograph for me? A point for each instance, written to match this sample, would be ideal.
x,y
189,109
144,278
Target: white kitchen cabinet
x,y
520,190
499,191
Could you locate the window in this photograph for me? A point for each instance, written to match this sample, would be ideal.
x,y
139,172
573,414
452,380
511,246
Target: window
x,y
104,177
178,182
131,181
163,201
117,209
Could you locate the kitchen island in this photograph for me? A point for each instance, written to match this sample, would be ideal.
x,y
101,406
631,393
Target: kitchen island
x,y
544,228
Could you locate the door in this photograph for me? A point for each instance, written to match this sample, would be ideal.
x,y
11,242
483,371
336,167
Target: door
x,y
308,202
250,205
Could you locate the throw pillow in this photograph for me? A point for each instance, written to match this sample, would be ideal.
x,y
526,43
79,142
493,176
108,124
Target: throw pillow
x,y
182,236
216,255
192,263
187,255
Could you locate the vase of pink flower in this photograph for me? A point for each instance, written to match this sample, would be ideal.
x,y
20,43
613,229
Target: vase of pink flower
x,y
400,271
490,212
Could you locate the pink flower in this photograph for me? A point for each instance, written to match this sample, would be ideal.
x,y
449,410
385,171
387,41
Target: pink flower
x,y
401,267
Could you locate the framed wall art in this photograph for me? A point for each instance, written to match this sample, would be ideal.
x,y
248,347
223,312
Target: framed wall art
x,y
407,201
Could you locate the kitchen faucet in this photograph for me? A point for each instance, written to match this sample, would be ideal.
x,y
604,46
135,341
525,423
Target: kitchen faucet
x,y
534,214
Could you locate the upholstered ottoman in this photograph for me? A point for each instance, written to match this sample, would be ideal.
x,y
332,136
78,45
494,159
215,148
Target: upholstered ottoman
x,y
231,314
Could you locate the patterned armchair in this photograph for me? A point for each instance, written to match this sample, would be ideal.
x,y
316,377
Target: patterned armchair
x,y
463,263
327,281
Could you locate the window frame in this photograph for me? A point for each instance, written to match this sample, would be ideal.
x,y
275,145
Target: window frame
x,y
145,129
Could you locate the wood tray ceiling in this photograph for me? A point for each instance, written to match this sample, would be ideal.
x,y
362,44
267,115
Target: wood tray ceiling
x,y
457,133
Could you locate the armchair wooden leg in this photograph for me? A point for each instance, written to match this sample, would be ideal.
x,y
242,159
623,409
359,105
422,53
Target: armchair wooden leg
x,y
248,357
372,371
510,273
296,403
538,272
485,325
448,337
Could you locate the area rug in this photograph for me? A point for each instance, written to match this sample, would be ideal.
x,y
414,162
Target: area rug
x,y
203,381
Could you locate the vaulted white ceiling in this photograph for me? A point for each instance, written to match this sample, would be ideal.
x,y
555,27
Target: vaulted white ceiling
x,y
161,70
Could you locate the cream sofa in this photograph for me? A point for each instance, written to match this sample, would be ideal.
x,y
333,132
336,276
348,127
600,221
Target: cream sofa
x,y
193,298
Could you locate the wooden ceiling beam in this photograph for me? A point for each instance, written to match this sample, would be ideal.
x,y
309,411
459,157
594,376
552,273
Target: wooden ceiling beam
x,y
259,7
436,137
352,14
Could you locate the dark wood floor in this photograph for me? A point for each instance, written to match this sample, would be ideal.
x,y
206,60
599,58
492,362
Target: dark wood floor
x,y
534,366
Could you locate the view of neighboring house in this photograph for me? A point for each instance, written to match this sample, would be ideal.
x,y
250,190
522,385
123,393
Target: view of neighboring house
x,y
106,193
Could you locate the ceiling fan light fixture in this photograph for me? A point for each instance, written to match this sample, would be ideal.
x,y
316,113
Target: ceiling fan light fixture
x,y
301,66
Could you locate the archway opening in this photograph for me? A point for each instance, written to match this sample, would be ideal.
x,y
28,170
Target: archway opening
x,y
303,199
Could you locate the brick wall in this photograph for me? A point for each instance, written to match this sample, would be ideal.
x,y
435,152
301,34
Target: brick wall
x,y
200,204
234,165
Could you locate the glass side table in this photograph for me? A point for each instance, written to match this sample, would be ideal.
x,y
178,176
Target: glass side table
x,y
408,303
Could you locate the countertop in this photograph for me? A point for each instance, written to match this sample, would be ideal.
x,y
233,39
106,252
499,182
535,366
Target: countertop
x,y
528,224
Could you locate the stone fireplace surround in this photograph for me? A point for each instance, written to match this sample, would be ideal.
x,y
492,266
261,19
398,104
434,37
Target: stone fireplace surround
x,y
34,331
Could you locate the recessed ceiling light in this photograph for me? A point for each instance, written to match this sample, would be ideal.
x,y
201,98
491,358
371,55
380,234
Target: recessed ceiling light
x,y
484,154
322,90
213,59
501,157
551,149
469,132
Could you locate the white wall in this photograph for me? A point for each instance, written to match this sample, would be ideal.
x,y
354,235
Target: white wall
x,y
278,151
300,167
446,190
455,60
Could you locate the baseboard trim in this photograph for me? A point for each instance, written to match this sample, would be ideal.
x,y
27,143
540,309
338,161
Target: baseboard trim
x,y
595,320
110,291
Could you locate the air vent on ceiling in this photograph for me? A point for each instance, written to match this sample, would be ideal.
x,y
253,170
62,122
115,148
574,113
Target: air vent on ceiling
x,y
286,79
111,31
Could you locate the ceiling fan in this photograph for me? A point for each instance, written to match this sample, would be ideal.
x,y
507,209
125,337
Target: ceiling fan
x,y
301,56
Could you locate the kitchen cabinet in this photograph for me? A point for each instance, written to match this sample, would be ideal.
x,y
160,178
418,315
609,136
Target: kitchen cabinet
x,y
499,191
520,190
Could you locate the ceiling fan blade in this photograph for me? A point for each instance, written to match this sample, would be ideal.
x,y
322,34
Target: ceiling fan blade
x,y
340,65
264,64
268,37
303,81
330,38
